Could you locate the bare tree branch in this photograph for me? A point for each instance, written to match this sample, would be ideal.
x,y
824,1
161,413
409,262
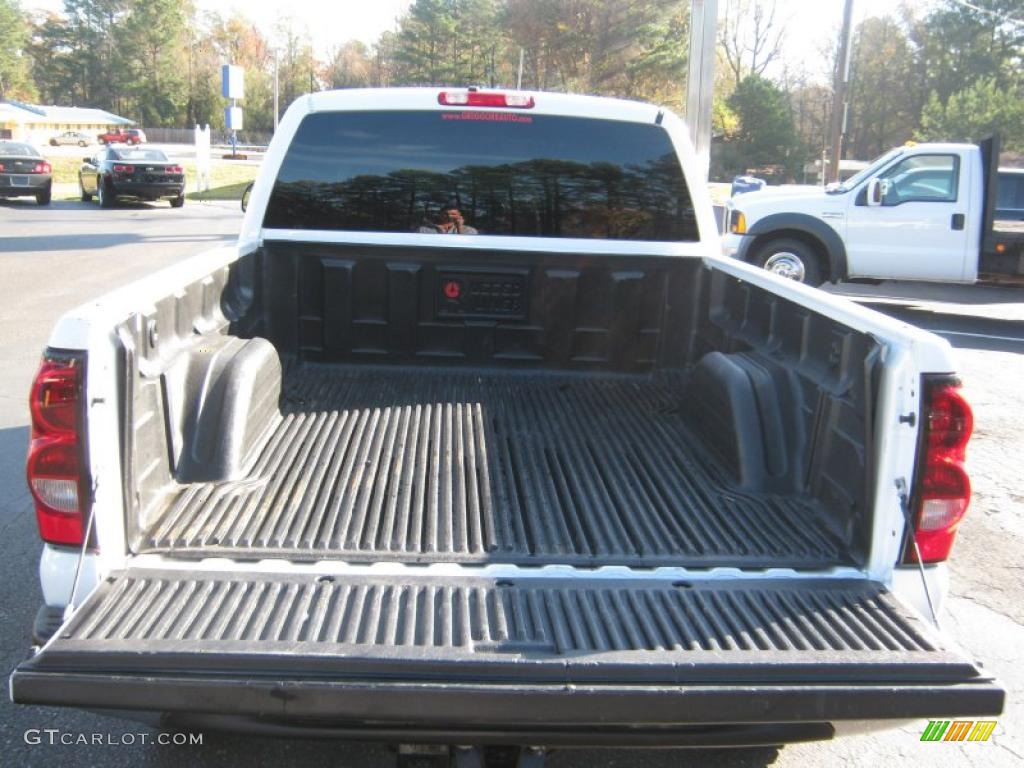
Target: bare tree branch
x,y
750,36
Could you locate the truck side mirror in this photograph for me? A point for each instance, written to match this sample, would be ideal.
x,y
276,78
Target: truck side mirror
x,y
877,190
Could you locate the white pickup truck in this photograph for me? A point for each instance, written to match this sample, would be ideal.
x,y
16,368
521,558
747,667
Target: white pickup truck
x,y
565,477
919,212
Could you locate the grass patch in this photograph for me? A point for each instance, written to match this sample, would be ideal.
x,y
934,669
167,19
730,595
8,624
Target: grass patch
x,y
65,169
227,181
226,192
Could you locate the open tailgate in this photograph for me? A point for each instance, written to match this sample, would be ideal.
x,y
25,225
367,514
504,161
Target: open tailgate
x,y
378,652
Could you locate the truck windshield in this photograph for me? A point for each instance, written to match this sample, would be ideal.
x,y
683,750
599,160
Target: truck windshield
x,y
873,167
506,173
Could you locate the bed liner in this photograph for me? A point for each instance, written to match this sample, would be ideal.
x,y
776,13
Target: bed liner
x,y
370,463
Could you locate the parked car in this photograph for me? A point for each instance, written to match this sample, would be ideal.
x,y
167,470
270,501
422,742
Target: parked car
x,y
71,137
24,172
140,174
544,470
919,212
122,136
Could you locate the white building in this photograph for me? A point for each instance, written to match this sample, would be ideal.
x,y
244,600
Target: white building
x,y
37,124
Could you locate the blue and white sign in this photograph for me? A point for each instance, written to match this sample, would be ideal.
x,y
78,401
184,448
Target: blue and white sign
x,y
233,118
232,82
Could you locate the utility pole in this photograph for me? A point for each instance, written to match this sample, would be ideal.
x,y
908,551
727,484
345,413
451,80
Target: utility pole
x,y
840,86
700,83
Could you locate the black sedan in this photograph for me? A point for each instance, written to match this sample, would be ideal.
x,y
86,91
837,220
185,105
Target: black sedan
x,y
24,172
140,174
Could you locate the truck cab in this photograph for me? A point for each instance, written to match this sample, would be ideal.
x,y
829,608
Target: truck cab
x,y
918,212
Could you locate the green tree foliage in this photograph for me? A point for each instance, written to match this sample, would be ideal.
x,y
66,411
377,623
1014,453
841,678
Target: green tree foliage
x,y
765,135
949,70
14,39
626,48
958,45
973,113
297,65
158,61
152,60
641,50
350,66
450,42
93,55
51,50
970,71
882,65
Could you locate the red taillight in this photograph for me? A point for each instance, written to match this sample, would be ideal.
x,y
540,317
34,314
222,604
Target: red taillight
x,y
1,166
54,397
41,168
175,169
950,421
123,168
943,489
54,467
485,99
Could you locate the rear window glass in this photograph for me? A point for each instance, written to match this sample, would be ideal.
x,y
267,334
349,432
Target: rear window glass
x,y
12,149
137,154
506,173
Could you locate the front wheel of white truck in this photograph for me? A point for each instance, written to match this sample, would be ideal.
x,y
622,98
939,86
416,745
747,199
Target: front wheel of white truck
x,y
791,258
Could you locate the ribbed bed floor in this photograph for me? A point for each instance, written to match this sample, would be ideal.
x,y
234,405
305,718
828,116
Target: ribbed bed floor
x,y
428,465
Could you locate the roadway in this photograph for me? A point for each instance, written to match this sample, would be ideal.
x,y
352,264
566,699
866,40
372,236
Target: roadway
x,y
57,257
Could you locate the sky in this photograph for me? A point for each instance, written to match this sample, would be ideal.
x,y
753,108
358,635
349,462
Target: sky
x,y
810,23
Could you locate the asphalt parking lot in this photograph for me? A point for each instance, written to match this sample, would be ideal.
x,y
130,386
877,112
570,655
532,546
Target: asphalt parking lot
x,y
56,257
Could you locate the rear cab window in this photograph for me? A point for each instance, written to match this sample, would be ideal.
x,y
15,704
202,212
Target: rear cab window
x,y
507,174
14,149
138,154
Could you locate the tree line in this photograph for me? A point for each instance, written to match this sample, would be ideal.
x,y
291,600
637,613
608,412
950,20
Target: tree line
x,y
955,71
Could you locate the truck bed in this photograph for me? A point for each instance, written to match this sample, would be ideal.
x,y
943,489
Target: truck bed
x,y
630,411
428,465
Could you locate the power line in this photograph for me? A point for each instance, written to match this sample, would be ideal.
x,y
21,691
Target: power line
x,y
1001,16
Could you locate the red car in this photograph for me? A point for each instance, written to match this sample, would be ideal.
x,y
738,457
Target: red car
x,y
121,136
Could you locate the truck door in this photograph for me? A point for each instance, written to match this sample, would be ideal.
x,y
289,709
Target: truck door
x,y
919,232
